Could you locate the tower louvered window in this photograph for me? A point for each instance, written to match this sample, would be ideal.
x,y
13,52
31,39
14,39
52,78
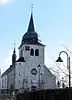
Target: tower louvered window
x,y
36,52
32,52
27,48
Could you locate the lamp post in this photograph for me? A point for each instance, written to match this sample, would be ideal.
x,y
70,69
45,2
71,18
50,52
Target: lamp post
x,y
39,75
68,63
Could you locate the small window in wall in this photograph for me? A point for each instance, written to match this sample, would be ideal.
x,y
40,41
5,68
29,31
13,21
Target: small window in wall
x,y
19,63
32,52
5,80
15,64
21,53
19,81
19,73
27,48
23,48
2,83
5,85
36,52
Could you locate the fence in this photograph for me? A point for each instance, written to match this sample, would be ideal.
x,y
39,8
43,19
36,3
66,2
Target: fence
x,y
56,94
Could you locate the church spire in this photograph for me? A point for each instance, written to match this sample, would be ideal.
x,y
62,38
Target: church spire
x,y
30,36
31,24
14,51
14,56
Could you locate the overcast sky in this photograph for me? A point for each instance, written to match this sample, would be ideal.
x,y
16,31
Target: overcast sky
x,y
53,23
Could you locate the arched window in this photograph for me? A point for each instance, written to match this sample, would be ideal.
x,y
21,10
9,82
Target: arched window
x,y
36,52
21,53
32,52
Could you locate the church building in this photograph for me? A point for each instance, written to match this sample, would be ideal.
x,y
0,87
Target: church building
x,y
29,72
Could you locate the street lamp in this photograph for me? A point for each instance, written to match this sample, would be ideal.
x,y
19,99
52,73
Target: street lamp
x,y
39,75
68,63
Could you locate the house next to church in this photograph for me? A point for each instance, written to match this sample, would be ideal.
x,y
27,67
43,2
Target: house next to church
x,y
29,72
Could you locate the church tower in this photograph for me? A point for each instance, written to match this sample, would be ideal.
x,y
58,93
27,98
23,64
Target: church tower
x,y
33,52
30,42
29,71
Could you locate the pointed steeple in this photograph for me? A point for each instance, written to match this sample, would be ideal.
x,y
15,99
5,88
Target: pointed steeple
x,y
14,57
30,36
14,51
31,24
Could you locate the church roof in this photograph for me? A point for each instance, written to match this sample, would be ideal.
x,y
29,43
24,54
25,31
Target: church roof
x,y
8,70
38,43
31,25
21,59
48,71
30,35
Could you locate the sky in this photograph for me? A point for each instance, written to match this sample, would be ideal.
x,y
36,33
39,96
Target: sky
x,y
52,20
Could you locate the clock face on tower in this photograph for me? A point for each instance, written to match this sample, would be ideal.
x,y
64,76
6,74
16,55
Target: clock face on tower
x,y
33,71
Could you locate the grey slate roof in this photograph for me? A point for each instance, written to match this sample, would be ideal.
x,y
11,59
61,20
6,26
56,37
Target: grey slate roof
x,y
30,36
49,71
8,70
21,59
38,43
31,25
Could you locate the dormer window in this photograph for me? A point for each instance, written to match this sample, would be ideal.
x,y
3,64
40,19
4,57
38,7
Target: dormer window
x,y
27,48
32,52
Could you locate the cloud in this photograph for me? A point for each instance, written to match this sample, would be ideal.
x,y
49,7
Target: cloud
x,y
4,1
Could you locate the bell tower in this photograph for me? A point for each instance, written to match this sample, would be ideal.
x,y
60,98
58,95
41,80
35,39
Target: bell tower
x,y
33,52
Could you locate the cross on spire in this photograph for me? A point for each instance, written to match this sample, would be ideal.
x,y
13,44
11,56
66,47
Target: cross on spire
x,y
14,44
32,8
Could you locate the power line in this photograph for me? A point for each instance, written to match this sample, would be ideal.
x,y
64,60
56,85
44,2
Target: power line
x,y
60,80
53,70
67,69
67,49
58,77
60,68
